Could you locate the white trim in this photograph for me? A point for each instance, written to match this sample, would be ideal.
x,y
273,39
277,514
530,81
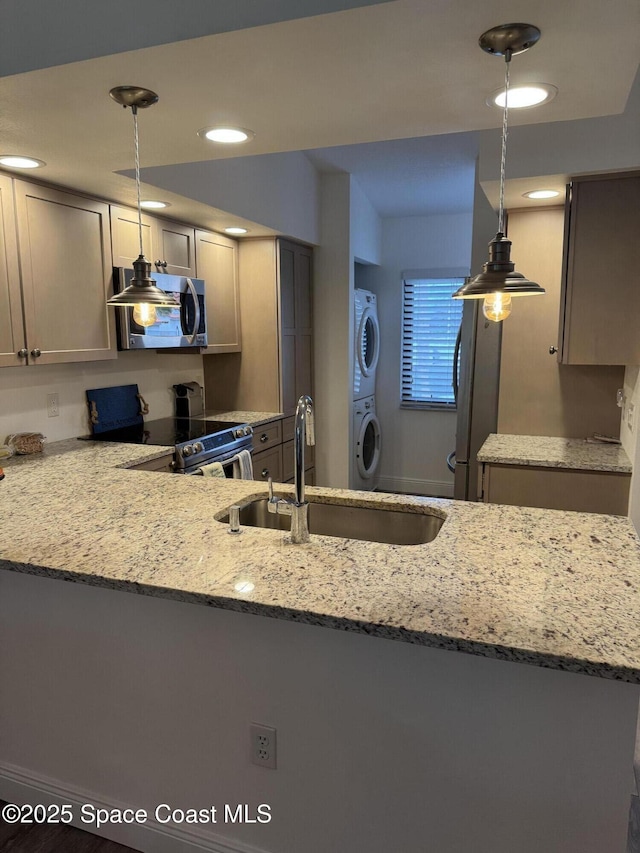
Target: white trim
x,y
413,486
20,786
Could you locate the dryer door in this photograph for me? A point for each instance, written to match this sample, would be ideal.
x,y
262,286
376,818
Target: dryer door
x,y
368,349
368,446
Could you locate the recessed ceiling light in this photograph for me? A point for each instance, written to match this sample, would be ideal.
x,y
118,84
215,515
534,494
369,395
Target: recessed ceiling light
x,y
16,161
225,134
542,194
530,95
154,205
236,230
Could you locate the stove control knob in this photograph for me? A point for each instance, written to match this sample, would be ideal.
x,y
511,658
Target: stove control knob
x,y
187,450
198,447
238,433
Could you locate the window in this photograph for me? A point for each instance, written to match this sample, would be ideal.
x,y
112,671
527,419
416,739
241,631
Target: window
x,y
430,323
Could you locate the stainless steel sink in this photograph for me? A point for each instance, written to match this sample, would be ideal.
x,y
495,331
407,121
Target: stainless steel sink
x,y
392,526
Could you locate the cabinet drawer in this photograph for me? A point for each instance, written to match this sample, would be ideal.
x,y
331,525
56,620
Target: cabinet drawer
x,y
288,463
267,436
288,428
267,464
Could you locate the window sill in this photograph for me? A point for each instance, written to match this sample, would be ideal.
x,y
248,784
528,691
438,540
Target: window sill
x,y
429,407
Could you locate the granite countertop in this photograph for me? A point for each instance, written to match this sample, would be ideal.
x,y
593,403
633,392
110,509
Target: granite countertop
x,y
253,418
542,587
550,452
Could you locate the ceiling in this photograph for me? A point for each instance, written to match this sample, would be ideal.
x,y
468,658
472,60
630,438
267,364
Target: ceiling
x,y
406,75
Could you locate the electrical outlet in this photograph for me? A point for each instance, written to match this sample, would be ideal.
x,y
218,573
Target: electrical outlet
x,y
53,409
630,413
263,745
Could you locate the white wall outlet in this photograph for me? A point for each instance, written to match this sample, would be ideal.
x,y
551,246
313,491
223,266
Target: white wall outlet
x,y
263,745
630,416
53,408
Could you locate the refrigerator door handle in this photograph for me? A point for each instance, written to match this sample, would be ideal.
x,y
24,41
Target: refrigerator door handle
x,y
456,357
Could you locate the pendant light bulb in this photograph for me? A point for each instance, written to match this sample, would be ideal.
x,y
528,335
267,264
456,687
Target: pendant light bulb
x,y
145,315
497,306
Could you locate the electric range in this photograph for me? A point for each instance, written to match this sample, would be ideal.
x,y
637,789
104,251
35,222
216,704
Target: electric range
x,y
196,441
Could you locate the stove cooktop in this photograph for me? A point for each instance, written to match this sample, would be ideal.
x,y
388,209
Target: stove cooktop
x,y
166,432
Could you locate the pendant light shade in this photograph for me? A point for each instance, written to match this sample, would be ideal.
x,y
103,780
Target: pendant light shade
x,y
499,282
141,289
498,275
141,293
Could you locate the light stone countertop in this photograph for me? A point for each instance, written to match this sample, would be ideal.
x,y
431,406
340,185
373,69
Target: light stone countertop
x,y
253,418
542,587
550,452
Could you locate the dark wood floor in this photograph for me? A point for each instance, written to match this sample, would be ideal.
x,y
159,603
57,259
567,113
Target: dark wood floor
x,y
53,838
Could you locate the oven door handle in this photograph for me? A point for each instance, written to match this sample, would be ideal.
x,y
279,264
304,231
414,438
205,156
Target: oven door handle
x,y
196,321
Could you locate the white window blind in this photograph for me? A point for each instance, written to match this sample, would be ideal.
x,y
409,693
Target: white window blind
x,y
430,323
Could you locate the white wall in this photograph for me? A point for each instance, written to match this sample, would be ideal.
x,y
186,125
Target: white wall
x,y
607,143
333,332
23,390
121,699
366,227
279,191
415,443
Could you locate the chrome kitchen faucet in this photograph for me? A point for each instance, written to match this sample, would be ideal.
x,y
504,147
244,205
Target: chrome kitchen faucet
x,y
298,509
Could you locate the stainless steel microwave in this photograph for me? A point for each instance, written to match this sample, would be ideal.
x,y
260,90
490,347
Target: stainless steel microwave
x,y
182,325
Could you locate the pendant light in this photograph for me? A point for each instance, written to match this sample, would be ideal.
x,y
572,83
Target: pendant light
x,y
499,282
142,293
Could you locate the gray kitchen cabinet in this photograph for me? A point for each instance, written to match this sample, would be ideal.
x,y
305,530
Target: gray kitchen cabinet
x,y
12,332
295,313
175,248
65,261
276,365
600,301
556,488
125,239
168,245
217,264
288,457
273,454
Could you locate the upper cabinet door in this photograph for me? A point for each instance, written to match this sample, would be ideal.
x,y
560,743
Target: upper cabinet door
x,y
65,258
12,336
600,302
125,237
217,264
175,248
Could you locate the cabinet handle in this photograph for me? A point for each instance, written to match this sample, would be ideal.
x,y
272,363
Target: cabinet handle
x,y
36,353
264,473
264,437
553,350
162,264
23,353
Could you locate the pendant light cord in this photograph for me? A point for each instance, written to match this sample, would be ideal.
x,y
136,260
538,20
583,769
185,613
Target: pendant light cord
x,y
503,156
134,110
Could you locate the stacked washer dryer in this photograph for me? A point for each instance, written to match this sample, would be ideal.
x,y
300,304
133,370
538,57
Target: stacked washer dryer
x,y
366,427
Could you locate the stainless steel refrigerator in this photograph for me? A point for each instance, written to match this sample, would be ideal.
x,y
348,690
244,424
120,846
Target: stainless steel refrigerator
x,y
476,380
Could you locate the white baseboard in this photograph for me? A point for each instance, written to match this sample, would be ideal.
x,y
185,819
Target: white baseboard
x,y
413,486
21,787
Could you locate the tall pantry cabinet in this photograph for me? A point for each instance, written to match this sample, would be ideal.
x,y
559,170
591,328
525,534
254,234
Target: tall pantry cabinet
x,y
276,363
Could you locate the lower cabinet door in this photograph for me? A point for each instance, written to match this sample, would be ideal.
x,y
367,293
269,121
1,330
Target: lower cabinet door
x,y
267,464
557,488
288,461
